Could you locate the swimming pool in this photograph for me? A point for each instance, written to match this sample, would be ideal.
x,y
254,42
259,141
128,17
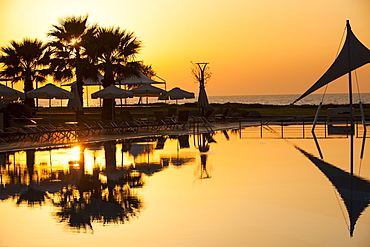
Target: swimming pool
x,y
225,189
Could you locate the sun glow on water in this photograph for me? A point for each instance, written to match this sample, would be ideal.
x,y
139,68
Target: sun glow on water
x,y
75,151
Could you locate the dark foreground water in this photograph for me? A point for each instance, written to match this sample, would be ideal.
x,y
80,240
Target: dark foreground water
x,y
222,190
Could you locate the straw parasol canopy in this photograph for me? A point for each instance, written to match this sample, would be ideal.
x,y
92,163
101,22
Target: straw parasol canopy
x,y
176,94
147,90
7,93
112,92
50,91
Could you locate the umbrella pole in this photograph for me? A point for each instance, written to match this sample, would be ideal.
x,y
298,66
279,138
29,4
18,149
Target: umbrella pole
x,y
113,109
147,105
49,109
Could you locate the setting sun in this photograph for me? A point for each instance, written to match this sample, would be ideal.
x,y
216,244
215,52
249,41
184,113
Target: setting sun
x,y
74,42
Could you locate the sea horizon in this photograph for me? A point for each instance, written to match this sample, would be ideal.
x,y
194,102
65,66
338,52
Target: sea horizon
x,y
275,99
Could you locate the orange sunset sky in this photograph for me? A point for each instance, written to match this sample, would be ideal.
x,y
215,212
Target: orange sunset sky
x,y
253,46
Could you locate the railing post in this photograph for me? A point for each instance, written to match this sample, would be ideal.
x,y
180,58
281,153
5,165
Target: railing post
x,y
261,129
282,129
240,129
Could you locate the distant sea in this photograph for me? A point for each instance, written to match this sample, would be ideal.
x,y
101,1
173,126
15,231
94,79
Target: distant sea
x,y
313,99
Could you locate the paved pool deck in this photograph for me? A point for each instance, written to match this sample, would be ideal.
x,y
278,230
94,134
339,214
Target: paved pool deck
x,y
26,145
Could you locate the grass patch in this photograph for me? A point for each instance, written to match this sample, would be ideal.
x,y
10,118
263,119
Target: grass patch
x,y
61,115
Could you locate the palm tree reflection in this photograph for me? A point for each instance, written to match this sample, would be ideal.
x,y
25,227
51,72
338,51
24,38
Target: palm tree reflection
x,y
109,200
114,204
81,196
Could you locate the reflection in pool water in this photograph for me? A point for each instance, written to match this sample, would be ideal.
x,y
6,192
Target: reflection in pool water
x,y
202,190
354,191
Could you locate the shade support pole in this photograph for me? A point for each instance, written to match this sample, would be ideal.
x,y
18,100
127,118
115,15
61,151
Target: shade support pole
x,y
350,100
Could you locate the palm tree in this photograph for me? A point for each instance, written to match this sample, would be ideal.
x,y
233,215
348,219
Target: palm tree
x,y
67,47
25,61
147,70
112,52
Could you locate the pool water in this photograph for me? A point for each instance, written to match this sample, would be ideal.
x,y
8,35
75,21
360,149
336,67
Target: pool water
x,y
202,190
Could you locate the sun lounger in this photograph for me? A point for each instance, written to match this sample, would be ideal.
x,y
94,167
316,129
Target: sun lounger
x,y
111,127
171,114
131,123
161,122
183,119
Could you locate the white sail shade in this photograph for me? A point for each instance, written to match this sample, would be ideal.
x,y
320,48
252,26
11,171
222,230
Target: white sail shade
x,y
352,56
135,80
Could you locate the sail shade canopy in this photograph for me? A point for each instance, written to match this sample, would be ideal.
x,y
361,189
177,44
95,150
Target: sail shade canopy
x,y
132,80
89,82
352,56
135,80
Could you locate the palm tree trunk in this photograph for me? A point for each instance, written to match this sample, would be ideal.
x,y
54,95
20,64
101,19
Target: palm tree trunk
x,y
108,112
28,86
79,84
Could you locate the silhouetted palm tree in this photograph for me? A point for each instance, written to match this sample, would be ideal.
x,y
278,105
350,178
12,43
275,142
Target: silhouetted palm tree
x,y
67,47
112,51
147,70
25,61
